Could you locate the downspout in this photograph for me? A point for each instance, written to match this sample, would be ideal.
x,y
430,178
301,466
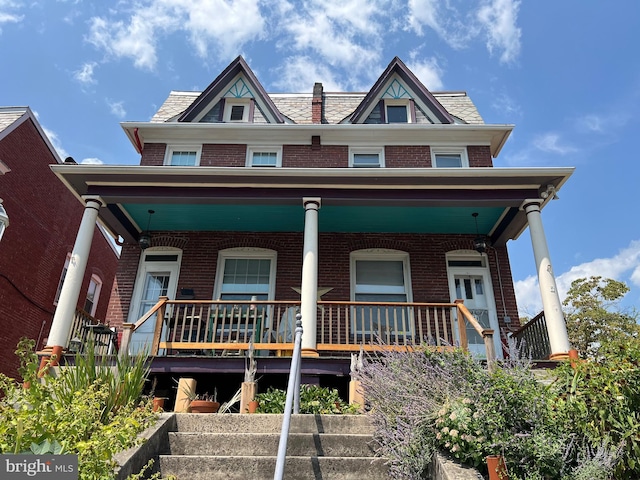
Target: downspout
x,y
138,142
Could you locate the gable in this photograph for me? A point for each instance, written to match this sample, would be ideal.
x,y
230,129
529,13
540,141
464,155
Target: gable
x,y
399,86
237,87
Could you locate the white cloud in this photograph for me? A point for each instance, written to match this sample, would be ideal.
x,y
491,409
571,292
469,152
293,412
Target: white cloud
x,y
55,141
298,74
6,15
551,143
91,161
499,19
458,24
218,26
506,106
625,266
117,108
428,71
344,33
85,73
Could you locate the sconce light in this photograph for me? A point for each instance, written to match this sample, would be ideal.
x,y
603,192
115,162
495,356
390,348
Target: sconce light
x,y
480,242
144,241
4,219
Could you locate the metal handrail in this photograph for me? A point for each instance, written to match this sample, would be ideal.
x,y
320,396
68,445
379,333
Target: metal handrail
x,y
293,400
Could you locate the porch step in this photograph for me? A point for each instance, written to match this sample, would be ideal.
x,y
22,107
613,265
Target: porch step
x,y
234,446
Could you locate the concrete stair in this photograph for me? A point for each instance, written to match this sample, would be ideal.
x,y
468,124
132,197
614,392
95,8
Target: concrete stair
x,y
233,446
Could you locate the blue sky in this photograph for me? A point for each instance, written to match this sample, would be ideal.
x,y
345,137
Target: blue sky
x,y
564,72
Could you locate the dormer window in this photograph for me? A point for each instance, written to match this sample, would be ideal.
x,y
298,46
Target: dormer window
x,y
398,111
236,110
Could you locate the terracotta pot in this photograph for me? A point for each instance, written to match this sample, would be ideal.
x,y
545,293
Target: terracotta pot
x,y
497,468
203,406
158,404
253,406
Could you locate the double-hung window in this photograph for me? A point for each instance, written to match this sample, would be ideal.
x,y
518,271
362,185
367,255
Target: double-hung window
x,y
264,157
183,155
382,278
449,157
93,294
361,157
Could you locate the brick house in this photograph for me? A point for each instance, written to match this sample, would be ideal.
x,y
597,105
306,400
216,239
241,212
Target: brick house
x,y
370,213
36,247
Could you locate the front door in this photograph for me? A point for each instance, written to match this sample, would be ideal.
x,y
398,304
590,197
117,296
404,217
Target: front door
x,y
469,281
157,276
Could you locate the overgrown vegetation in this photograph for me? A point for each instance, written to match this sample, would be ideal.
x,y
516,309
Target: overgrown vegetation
x,y
425,401
313,399
93,410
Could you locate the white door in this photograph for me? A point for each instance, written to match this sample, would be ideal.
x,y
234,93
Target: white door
x,y
157,276
469,281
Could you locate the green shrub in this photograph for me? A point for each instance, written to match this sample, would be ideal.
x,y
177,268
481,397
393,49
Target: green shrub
x,y
89,410
313,400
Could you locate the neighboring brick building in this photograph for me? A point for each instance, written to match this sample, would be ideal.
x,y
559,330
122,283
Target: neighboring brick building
x,y
251,205
44,217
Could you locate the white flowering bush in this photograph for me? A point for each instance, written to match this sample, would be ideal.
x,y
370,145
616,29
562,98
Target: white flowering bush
x,y
458,430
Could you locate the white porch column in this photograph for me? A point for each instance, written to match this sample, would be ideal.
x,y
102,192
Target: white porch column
x,y
551,304
309,292
65,311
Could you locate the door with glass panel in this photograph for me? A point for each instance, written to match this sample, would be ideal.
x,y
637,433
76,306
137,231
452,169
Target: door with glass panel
x,y
472,289
157,277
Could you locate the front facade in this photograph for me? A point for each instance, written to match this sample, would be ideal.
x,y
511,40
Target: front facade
x,y
36,245
369,213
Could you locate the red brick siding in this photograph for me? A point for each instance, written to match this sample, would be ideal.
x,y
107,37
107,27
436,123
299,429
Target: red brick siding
x,y
45,218
479,156
153,154
223,155
426,253
407,156
328,156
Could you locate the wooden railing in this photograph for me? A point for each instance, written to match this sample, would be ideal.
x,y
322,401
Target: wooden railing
x,y
85,328
533,338
222,327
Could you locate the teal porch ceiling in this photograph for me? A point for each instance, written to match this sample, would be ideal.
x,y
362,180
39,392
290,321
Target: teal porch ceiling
x,y
290,218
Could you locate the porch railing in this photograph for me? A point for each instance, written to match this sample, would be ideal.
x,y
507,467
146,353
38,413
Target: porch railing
x,y
226,327
84,328
533,338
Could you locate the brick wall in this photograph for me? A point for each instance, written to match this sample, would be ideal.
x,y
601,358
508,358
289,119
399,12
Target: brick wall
x,y
153,154
45,218
426,253
408,156
479,156
327,156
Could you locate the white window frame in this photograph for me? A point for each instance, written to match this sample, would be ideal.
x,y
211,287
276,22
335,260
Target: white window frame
x,y
368,151
259,149
250,254
171,149
397,103
97,281
380,254
229,103
462,151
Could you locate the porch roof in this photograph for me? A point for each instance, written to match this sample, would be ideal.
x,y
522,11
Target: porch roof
x,y
386,200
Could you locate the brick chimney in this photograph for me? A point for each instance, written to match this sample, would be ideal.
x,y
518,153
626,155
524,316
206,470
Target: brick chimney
x,y
316,103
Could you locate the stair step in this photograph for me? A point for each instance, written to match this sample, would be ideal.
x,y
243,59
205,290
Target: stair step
x,y
271,423
198,467
266,444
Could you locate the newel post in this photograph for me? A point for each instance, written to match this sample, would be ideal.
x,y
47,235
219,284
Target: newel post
x,y
158,330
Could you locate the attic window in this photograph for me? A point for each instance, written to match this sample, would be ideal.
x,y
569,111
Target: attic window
x,y
236,110
398,111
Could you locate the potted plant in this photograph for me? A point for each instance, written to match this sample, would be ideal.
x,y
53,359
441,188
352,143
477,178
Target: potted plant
x,y
205,403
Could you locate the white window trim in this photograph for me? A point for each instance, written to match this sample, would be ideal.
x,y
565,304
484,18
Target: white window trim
x,y
96,296
182,148
248,253
462,151
367,150
258,149
231,102
397,102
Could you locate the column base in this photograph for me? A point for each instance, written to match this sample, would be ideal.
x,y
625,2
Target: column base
x,y
559,356
310,352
